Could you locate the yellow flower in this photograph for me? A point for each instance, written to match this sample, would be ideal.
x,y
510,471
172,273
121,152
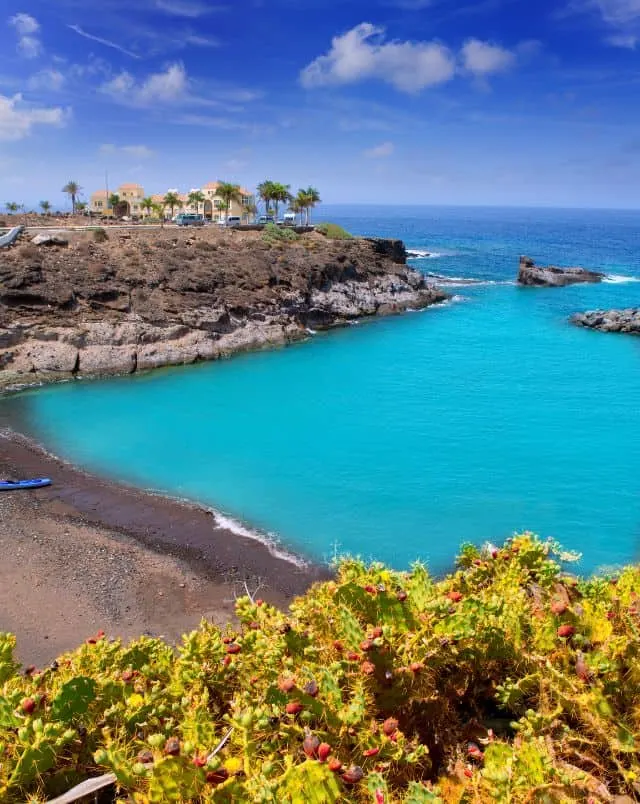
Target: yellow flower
x,y
135,701
233,765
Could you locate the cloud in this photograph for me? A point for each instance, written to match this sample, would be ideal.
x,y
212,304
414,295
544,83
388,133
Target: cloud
x,y
628,41
51,79
185,8
134,151
362,53
17,118
164,87
619,12
101,41
483,59
26,26
380,151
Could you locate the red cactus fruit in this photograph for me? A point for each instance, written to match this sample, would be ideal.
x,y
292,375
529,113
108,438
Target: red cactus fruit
x,y
337,645
101,634
474,752
294,708
558,606
566,631
352,775
254,626
368,668
233,648
334,765
379,795
259,602
227,661
352,656
416,667
217,777
370,589
468,773
227,640
377,632
286,683
371,752
145,757
91,641
324,749
401,595
172,747
310,745
367,645
200,760
28,705
455,597
126,676
390,726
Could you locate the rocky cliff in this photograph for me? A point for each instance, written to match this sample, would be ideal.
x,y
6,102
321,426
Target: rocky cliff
x,y
150,298
610,320
550,276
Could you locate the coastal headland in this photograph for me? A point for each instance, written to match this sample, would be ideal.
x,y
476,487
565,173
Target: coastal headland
x,y
87,553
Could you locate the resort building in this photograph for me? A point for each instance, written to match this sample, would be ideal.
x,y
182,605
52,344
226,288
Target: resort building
x,y
131,196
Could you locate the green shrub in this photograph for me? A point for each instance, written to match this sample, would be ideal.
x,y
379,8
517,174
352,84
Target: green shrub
x,y
333,231
99,235
506,681
276,234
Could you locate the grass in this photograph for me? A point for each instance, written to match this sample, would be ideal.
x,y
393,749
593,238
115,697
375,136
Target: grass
x,y
506,681
333,232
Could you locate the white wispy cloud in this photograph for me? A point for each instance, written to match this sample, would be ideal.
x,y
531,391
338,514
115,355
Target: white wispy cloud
x,y
18,118
27,28
167,86
381,151
620,17
628,41
185,8
484,59
106,42
364,53
50,79
134,151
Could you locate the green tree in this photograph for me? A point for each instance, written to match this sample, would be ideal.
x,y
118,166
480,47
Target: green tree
x,y
297,206
265,192
249,211
281,194
159,211
45,206
228,192
196,197
12,207
81,206
147,204
311,199
172,201
73,190
113,202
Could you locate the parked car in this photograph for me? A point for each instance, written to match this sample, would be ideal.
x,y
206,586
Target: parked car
x,y
234,220
266,219
189,219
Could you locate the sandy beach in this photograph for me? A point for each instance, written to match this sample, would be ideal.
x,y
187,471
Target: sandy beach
x,y
87,554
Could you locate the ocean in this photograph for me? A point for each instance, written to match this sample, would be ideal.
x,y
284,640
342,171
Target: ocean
x,y
402,438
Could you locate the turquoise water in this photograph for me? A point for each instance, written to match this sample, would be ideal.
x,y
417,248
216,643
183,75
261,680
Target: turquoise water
x,y
401,438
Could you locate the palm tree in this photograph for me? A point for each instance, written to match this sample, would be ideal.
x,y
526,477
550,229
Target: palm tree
x,y
297,206
12,207
308,199
228,192
81,206
114,202
72,189
45,206
195,198
281,194
171,200
265,192
159,210
249,210
147,204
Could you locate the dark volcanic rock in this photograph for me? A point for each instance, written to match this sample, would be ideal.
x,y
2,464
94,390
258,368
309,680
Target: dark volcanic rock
x,y
147,298
550,276
610,320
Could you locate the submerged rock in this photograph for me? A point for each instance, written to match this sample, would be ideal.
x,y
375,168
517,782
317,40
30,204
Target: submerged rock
x,y
533,275
610,320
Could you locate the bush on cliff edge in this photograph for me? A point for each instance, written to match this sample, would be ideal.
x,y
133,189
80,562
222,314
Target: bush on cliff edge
x,y
333,232
506,681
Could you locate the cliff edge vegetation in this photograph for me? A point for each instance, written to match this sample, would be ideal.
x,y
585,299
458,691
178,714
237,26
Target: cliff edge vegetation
x,y
508,680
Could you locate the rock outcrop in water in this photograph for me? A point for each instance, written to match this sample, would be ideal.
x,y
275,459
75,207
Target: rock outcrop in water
x,y
151,298
533,275
610,320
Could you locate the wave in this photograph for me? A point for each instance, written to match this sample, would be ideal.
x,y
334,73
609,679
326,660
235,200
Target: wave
x,y
618,279
420,254
442,279
269,540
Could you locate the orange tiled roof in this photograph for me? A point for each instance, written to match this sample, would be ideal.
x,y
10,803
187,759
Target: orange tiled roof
x,y
211,185
130,187
99,194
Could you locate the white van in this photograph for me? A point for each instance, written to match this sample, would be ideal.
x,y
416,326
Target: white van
x,y
290,218
234,220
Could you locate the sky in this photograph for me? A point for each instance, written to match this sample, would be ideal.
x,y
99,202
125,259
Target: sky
x,y
495,102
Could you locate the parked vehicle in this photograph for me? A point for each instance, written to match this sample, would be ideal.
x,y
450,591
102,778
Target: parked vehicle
x,y
290,218
266,219
189,219
234,220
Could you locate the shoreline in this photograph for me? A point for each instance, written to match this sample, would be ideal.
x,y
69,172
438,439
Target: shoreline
x,y
178,562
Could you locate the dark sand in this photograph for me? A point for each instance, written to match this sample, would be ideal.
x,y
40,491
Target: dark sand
x,y
88,554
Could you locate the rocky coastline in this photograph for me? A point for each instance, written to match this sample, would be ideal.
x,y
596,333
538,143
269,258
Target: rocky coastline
x,y
532,275
626,321
88,305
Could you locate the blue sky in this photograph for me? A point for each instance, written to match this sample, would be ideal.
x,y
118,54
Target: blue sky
x,y
500,102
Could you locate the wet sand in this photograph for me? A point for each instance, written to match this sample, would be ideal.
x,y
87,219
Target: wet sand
x,y
88,554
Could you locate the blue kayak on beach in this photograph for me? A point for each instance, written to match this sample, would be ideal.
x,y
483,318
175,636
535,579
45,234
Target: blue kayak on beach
x,y
33,483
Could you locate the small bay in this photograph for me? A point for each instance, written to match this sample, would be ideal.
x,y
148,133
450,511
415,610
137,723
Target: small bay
x,y
401,438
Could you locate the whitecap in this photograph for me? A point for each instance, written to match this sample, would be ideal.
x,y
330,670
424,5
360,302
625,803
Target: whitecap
x,y
618,279
420,254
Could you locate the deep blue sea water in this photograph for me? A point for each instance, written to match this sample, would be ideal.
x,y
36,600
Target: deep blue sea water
x,y
401,438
